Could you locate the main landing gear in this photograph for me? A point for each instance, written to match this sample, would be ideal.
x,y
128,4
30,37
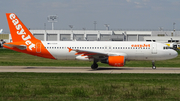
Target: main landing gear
x,y
153,65
94,66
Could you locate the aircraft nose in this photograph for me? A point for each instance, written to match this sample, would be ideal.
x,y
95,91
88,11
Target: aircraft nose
x,y
173,54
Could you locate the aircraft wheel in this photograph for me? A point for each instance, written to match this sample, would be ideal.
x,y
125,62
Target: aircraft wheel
x,y
94,66
153,67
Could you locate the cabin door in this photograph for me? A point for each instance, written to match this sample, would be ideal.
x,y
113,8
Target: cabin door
x,y
154,48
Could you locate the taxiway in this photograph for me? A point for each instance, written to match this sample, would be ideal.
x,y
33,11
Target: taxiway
x,y
48,69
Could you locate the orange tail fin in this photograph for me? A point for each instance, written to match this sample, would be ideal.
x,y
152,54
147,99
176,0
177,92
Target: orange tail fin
x,y
18,30
23,40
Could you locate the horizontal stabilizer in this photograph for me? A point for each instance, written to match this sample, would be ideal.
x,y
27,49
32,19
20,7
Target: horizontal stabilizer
x,y
21,47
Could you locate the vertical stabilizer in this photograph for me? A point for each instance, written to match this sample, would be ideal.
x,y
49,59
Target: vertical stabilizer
x,y
18,30
23,40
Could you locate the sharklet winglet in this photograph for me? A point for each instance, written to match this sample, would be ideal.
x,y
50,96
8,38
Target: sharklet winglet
x,y
69,49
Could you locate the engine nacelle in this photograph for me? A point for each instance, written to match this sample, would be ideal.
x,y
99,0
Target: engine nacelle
x,y
117,61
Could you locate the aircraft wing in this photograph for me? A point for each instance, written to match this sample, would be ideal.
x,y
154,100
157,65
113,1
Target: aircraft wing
x,y
21,47
94,54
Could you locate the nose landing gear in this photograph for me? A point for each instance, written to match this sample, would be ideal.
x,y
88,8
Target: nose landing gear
x,y
153,65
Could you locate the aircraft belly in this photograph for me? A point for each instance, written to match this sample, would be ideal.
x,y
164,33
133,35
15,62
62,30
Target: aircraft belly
x,y
71,55
139,55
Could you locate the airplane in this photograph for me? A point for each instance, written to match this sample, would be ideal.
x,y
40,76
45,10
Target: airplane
x,y
1,31
109,52
172,45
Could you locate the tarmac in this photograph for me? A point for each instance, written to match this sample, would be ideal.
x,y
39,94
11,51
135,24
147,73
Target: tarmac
x,y
110,70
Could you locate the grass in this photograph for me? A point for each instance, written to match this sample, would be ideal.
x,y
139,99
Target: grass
x,y
12,58
84,87
90,87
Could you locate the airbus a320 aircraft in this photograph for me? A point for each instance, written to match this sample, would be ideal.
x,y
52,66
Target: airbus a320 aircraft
x,y
112,53
1,31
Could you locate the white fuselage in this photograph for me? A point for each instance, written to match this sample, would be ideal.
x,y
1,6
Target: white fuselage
x,y
131,50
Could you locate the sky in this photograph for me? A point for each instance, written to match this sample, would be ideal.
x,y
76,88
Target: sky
x,y
118,14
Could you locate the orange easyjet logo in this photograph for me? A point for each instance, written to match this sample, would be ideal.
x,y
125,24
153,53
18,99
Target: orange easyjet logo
x,y
140,45
20,31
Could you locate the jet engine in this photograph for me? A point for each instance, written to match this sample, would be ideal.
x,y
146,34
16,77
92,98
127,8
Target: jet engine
x,y
117,61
